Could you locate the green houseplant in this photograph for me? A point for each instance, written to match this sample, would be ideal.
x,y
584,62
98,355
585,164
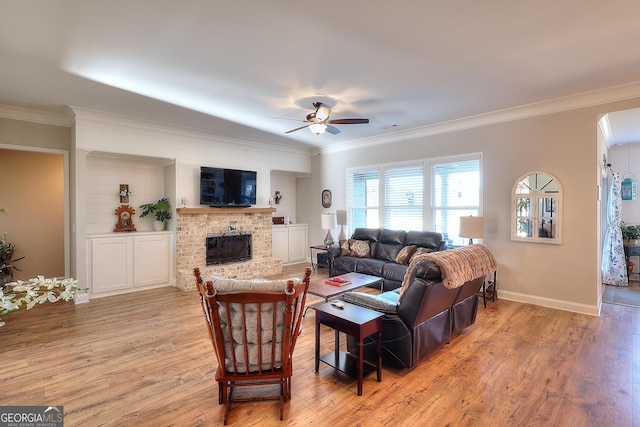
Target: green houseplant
x,y
630,234
6,258
161,210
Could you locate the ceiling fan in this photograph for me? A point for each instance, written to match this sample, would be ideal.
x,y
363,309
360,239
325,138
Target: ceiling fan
x,y
318,121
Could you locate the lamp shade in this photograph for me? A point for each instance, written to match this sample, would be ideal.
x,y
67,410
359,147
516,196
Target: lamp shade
x,y
328,221
341,216
472,227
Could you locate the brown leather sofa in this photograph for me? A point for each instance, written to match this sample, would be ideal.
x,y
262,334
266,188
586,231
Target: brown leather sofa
x,y
384,246
425,317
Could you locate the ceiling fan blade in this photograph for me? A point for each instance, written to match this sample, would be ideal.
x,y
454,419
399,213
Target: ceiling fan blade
x,y
332,130
286,118
348,121
297,129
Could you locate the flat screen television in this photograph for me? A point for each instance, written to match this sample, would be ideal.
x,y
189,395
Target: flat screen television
x,y
227,187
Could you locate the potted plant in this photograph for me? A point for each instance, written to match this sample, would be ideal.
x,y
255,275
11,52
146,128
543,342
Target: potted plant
x,y
161,211
630,234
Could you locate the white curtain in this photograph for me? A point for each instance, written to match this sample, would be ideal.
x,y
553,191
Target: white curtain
x,y
614,265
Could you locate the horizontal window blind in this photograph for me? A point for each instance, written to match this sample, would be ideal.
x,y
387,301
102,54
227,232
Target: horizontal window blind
x,y
363,198
455,192
404,198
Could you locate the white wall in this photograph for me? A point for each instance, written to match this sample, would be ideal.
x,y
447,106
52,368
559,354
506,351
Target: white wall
x,y
185,150
146,180
565,144
285,183
625,159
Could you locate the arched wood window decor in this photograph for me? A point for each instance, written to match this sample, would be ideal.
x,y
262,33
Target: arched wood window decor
x,y
536,209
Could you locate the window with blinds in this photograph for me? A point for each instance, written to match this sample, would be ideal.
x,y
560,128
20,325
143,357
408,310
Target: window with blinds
x,y
363,198
403,198
455,192
422,195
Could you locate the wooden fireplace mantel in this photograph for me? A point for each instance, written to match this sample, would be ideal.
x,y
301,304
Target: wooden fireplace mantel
x,y
222,211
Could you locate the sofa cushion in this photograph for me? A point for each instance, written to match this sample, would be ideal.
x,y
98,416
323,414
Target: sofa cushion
x,y
370,266
405,254
425,239
346,264
344,247
418,251
425,270
368,234
390,242
374,302
359,248
393,271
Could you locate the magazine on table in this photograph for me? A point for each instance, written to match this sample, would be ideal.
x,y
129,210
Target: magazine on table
x,y
337,281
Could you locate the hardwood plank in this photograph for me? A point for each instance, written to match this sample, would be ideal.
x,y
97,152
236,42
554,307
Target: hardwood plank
x,y
145,359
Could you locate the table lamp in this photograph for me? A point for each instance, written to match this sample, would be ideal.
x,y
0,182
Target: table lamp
x,y
471,227
341,216
328,222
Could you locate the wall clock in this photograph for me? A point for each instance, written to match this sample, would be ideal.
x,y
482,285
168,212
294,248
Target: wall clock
x,y
125,218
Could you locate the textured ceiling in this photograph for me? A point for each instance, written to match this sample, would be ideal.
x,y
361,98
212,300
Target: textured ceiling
x,y
251,69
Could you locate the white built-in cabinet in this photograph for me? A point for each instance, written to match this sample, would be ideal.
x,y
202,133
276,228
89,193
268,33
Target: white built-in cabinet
x,y
123,262
289,243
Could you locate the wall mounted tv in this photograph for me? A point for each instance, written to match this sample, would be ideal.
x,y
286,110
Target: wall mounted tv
x,y
227,187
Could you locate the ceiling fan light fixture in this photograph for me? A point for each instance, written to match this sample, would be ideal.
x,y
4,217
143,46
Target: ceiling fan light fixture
x,y
322,113
318,128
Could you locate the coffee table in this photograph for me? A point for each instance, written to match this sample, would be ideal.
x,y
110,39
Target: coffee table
x,y
358,322
358,280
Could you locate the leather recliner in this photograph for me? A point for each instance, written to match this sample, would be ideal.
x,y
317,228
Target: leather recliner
x,y
427,317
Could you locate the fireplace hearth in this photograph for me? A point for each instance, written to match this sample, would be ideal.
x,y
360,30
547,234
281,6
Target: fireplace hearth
x,y
226,248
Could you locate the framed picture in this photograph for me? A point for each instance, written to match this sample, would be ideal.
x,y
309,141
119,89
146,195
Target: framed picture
x,y
326,198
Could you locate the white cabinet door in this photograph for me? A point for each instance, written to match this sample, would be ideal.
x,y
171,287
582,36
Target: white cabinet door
x,y
111,264
151,259
280,243
298,243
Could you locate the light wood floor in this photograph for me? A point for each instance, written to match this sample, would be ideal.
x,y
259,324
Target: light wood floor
x,y
144,359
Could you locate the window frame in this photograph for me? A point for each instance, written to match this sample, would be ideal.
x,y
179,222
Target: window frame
x,y
538,213
428,211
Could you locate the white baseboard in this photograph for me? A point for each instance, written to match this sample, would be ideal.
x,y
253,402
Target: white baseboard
x,y
592,310
81,298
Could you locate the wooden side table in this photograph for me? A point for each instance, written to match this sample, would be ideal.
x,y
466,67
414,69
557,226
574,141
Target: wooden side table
x,y
319,248
355,321
492,287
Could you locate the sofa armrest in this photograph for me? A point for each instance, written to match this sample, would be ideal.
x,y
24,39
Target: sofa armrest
x,y
334,251
373,302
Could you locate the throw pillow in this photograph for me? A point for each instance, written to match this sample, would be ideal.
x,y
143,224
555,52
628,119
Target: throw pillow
x,y
405,254
344,248
359,248
419,251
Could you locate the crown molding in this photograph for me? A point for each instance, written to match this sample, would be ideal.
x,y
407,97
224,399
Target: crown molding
x,y
36,116
557,105
180,131
582,100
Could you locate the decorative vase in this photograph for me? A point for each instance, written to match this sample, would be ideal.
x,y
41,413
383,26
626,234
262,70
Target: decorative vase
x,y
158,225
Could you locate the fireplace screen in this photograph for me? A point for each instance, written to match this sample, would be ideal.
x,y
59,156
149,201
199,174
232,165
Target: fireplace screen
x,y
223,249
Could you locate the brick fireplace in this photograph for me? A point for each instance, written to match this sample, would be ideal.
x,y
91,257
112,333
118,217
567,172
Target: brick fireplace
x,y
193,225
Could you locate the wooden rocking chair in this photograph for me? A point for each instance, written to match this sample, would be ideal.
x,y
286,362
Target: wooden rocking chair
x,y
253,325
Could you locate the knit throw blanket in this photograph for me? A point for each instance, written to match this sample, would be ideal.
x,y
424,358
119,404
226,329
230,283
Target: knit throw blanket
x,y
457,266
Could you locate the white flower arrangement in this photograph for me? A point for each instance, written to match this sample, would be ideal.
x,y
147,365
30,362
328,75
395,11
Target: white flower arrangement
x,y
21,295
125,192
